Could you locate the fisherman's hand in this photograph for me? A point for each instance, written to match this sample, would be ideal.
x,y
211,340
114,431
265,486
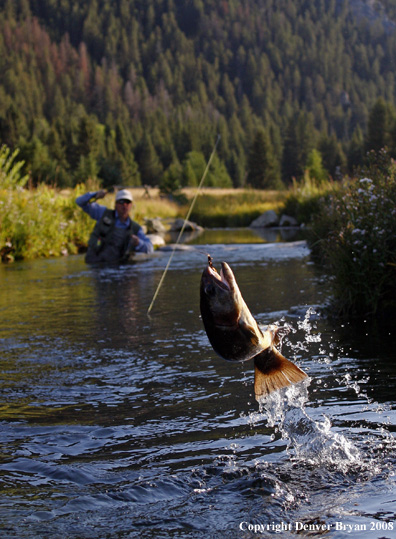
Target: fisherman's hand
x,y
134,241
100,194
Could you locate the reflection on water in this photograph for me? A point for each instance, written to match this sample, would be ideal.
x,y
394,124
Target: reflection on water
x,y
116,424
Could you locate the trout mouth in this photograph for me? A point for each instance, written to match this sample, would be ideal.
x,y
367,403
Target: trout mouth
x,y
218,291
216,279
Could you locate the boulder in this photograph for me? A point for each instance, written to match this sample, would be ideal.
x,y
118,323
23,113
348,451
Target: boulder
x,y
177,225
268,218
286,220
154,226
156,240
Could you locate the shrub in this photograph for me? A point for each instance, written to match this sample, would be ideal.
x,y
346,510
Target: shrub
x,y
10,169
40,223
355,233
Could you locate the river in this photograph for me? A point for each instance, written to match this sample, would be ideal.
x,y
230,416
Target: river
x,y
116,424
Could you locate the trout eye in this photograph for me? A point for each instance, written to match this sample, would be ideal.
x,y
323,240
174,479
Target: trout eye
x,y
210,290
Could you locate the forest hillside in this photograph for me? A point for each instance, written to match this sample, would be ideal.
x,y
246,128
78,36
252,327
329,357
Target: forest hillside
x,y
136,91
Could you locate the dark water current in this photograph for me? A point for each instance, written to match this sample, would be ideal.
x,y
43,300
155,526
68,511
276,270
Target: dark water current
x,y
114,424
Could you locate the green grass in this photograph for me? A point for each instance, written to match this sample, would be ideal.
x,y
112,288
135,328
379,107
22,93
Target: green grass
x,y
305,198
235,209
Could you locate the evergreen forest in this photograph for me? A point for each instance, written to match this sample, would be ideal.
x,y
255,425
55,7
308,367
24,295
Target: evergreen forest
x,y
135,92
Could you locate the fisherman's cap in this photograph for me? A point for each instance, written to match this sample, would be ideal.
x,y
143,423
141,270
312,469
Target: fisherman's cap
x,y
123,194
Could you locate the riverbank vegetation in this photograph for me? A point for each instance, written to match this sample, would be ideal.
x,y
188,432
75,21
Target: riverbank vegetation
x,y
36,222
353,233
45,221
237,208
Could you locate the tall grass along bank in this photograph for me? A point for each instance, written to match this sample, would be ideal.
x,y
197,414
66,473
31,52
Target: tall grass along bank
x,y
354,233
235,207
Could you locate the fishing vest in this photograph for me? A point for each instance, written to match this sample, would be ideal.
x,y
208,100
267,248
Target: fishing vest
x,y
109,243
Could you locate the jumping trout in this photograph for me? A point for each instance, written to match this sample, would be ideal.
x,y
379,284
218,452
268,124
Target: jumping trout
x,y
235,335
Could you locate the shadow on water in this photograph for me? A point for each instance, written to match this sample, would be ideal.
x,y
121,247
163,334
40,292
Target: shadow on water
x,y
116,424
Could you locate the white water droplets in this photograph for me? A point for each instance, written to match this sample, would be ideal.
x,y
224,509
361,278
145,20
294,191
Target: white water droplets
x,y
309,440
307,327
309,335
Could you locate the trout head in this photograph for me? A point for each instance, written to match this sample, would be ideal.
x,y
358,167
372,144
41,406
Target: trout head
x,y
231,328
221,299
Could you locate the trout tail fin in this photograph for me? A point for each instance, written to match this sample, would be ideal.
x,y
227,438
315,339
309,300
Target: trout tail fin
x,y
273,371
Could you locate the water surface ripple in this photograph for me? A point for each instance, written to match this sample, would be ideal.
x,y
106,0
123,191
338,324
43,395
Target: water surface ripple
x,y
116,424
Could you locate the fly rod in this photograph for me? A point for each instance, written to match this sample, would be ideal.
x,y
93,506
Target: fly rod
x,y
184,224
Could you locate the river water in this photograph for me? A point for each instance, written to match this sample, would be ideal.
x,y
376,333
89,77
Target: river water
x,y
116,424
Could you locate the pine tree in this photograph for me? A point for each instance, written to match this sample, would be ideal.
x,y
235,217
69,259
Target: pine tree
x,y
315,167
333,157
355,154
150,167
263,172
170,183
378,127
297,145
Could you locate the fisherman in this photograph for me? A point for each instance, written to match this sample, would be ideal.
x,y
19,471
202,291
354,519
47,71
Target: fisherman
x,y
115,235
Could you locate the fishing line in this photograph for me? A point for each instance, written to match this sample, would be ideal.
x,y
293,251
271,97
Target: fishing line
x,y
184,224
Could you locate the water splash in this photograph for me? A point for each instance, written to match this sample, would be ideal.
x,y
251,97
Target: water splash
x,y
309,440
307,327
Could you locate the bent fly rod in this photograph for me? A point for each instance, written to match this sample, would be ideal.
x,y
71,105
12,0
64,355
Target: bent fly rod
x,y
184,224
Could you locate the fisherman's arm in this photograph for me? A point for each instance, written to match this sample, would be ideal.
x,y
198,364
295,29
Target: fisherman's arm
x,y
93,209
